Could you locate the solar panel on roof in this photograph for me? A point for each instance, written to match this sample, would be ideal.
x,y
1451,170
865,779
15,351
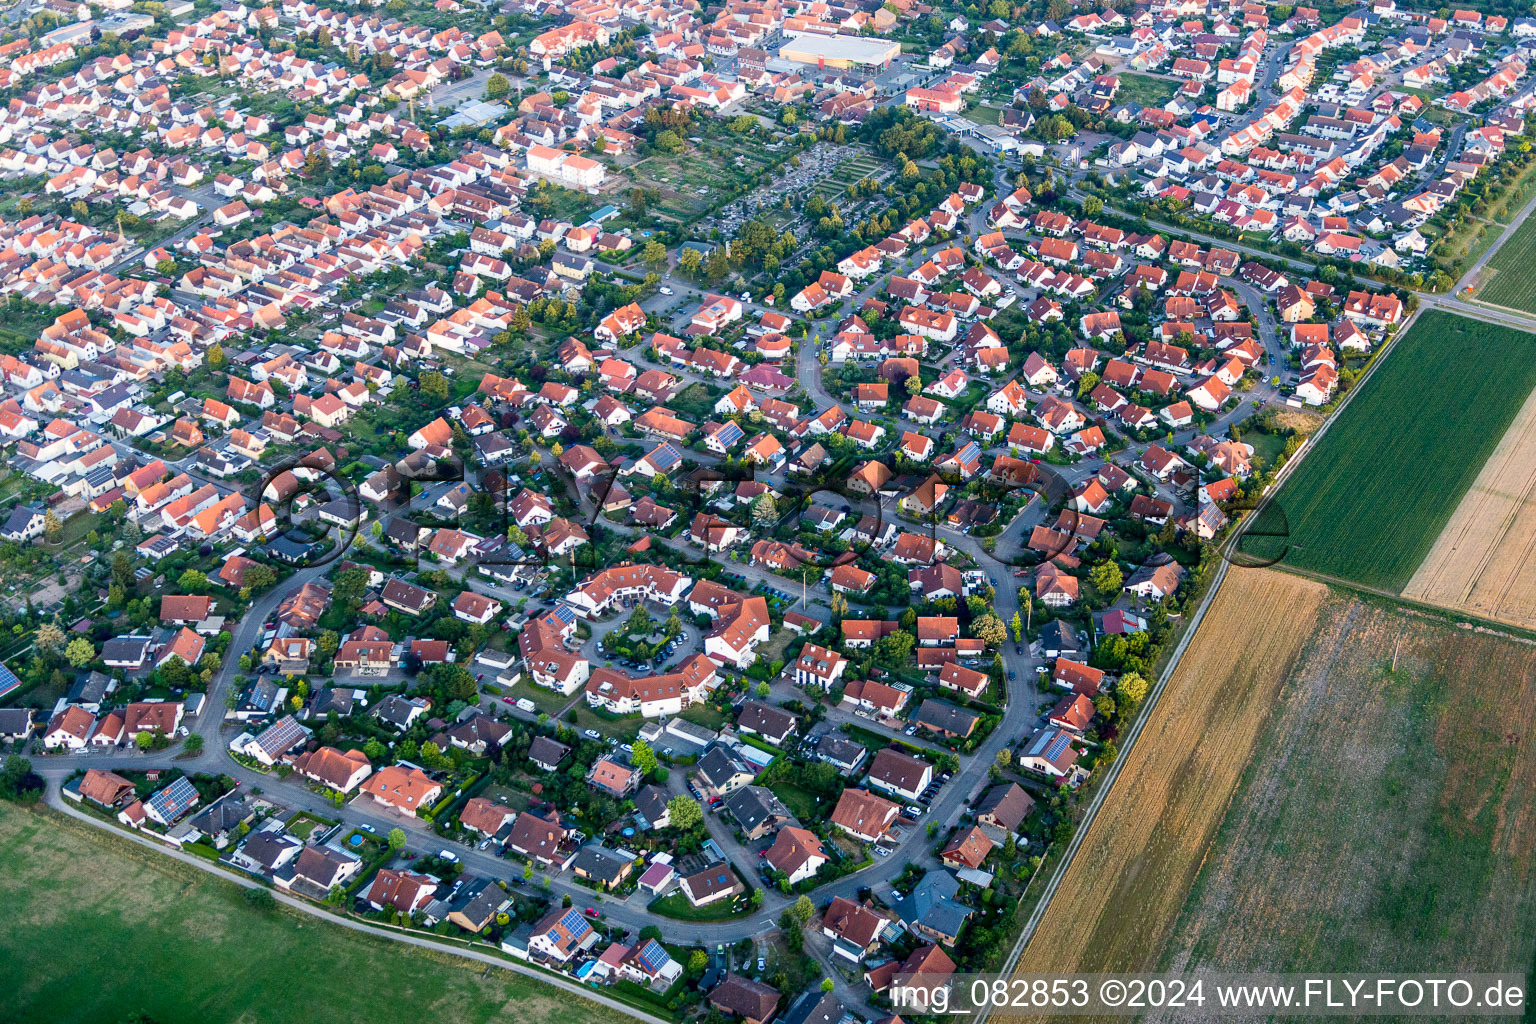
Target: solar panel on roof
x,y
653,956
8,681
1057,746
572,922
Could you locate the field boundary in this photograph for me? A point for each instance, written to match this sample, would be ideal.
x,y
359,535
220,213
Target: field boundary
x,y
1399,463
1225,549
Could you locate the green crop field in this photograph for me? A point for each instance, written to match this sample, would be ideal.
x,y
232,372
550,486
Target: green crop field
x,y
96,928
1368,504
1514,271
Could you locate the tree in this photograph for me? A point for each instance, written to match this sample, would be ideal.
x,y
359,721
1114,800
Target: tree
x,y
765,511
52,528
193,743
1018,628
654,253
689,261
1132,690
497,86
1004,758
644,758
762,689
192,580
1106,577
49,637
684,813
698,962
145,739
895,647
435,386
216,357
914,386
260,577
801,911
396,838
989,629
259,899
80,652
18,782
827,985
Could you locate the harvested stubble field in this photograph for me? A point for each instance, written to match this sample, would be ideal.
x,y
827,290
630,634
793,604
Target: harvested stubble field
x,y
1368,503
1385,820
1389,823
1482,561
1122,893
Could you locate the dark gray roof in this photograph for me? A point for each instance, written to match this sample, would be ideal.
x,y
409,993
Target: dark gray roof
x,y
545,751
816,1008
332,699
718,765
838,750
651,803
932,903
938,714
754,805
766,719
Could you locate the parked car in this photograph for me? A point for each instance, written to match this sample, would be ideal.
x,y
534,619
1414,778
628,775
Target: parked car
x,y
592,734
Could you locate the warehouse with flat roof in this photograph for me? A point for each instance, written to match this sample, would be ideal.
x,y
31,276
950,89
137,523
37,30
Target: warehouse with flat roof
x,y
840,53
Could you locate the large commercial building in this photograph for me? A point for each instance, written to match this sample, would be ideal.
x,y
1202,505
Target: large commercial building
x,y
840,53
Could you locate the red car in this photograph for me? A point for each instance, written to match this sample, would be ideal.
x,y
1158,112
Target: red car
x,y
591,912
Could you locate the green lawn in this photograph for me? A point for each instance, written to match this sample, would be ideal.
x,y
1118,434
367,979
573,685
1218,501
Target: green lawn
x,y
98,929
802,804
979,114
1368,504
677,907
1145,90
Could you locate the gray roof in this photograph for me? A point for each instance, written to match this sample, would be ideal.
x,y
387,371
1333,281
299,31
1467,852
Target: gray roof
x,y
15,721
754,805
220,817
600,863
719,765
943,715
766,719
651,803
816,1008
932,903
332,699
838,750
545,751
265,848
